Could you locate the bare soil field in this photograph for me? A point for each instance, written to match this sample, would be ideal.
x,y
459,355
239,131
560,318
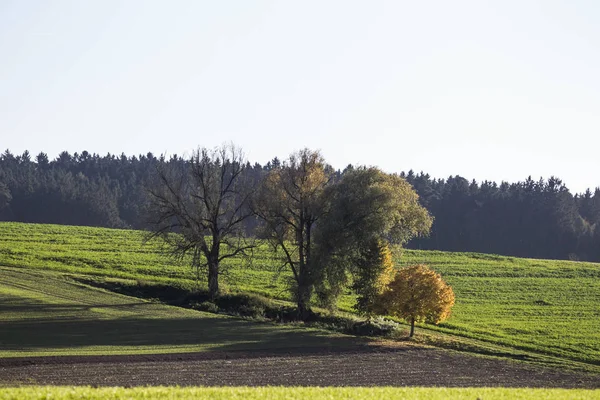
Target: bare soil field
x,y
399,366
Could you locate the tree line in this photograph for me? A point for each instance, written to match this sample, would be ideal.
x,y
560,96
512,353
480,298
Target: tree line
x,y
536,219
532,218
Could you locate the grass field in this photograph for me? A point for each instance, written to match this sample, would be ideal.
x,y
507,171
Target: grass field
x,y
79,320
275,393
544,306
57,331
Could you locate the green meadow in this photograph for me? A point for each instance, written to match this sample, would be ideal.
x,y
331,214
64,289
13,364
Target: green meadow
x,y
542,306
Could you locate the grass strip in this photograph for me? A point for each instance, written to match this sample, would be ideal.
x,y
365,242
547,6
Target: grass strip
x,y
276,393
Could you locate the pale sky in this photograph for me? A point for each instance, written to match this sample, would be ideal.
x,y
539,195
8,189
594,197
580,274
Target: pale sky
x,y
496,90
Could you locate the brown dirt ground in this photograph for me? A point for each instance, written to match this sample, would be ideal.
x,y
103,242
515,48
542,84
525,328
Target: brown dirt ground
x,y
373,366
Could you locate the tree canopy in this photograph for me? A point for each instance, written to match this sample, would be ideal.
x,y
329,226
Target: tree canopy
x,y
417,294
369,210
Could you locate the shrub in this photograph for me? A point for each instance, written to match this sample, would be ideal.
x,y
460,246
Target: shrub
x,y
205,306
246,305
282,313
373,328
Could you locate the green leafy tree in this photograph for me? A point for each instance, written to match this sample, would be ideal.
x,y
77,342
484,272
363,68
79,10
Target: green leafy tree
x,y
370,212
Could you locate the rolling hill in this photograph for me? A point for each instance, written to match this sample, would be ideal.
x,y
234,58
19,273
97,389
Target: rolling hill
x,y
538,306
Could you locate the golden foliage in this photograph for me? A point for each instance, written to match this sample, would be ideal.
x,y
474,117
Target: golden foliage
x,y
417,294
386,269
290,198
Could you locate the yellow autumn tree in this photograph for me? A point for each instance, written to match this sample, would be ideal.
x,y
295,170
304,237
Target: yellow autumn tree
x,y
417,294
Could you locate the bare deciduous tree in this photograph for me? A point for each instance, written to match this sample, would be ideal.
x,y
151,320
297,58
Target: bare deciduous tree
x,y
198,207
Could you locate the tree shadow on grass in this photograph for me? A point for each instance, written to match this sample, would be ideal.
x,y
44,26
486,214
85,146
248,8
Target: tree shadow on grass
x,y
92,322
209,334
70,308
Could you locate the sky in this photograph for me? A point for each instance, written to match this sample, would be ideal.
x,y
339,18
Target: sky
x,y
489,90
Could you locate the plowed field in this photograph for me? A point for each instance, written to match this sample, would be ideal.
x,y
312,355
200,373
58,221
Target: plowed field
x,y
410,366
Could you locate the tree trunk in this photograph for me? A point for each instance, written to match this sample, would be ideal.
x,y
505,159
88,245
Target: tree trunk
x,y
213,279
302,300
412,327
303,310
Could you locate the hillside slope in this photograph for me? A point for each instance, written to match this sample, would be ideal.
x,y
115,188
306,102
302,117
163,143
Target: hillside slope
x,y
544,306
59,332
45,314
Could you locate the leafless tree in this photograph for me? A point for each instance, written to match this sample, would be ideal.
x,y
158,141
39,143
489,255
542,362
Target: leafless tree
x,y
198,207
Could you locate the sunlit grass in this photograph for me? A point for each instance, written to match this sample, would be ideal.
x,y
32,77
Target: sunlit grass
x,y
545,306
276,393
